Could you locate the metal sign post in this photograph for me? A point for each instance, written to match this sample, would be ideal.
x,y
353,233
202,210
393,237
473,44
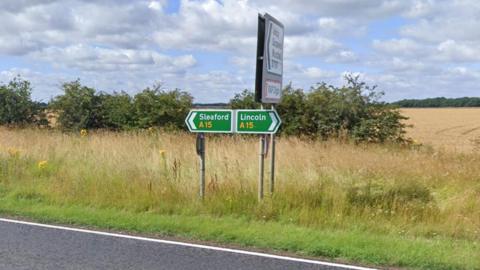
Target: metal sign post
x,y
261,161
272,161
201,153
268,83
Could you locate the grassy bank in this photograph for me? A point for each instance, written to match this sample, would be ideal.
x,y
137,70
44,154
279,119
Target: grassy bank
x,y
374,204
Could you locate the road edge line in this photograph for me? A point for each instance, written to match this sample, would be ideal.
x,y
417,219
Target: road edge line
x,y
186,244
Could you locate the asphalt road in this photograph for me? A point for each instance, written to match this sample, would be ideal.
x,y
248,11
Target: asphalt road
x,y
34,246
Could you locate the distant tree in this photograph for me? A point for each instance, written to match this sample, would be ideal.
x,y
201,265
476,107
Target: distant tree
x,y
117,111
16,105
244,100
292,111
155,107
78,107
352,111
439,102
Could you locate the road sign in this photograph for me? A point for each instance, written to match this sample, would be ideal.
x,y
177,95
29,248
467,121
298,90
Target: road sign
x,y
209,120
269,71
257,121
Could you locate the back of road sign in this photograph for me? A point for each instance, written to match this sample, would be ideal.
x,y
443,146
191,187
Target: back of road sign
x,y
269,70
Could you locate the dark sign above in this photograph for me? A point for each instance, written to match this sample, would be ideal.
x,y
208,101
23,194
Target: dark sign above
x,y
269,70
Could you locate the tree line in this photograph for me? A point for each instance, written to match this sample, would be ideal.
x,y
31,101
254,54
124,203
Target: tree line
x,y
353,111
439,102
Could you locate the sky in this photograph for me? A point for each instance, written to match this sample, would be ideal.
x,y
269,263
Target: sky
x,y
408,48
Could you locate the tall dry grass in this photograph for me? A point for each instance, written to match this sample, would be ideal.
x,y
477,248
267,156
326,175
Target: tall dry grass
x,y
388,189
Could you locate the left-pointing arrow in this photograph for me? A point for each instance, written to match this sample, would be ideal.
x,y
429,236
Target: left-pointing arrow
x,y
190,120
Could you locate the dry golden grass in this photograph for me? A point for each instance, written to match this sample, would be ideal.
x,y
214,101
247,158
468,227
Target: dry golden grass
x,y
453,129
321,184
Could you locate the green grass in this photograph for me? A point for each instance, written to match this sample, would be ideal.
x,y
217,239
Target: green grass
x,y
345,246
379,205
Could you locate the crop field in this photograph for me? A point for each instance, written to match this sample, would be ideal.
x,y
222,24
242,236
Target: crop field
x,y
387,205
453,129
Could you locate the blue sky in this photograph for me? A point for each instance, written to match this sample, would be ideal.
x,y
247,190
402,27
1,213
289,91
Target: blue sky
x,y
409,48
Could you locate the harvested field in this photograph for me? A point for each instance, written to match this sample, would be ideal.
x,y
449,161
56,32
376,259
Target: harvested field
x,y
453,129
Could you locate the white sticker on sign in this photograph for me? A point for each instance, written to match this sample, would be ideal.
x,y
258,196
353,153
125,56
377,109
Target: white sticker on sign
x,y
274,90
275,48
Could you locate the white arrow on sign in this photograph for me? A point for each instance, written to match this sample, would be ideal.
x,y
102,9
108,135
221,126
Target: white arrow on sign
x,y
190,120
274,121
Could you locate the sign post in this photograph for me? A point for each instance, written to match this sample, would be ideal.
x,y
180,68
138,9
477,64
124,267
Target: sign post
x,y
201,153
261,162
269,70
207,121
268,90
259,122
272,161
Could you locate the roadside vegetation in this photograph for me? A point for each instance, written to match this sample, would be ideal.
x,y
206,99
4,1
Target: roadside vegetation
x,y
352,112
350,185
377,204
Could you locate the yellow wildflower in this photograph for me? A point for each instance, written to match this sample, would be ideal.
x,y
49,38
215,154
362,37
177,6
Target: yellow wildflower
x,y
83,133
162,152
42,164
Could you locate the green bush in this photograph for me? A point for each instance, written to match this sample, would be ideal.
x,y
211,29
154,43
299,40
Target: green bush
x,y
353,111
292,111
154,107
16,105
117,111
244,100
78,107
81,107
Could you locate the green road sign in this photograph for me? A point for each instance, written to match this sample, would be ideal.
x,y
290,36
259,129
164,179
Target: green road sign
x,y
207,120
257,121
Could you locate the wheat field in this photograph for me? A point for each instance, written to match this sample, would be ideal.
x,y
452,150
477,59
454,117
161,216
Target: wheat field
x,y
452,129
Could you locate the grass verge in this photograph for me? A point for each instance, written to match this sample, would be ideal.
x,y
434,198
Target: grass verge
x,y
347,246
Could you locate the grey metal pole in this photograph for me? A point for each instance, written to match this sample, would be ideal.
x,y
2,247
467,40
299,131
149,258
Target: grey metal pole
x,y
201,154
272,162
261,160
261,167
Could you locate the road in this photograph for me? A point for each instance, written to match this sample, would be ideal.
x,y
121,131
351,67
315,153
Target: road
x,y
25,245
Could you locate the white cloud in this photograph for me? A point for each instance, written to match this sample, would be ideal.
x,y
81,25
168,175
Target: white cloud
x,y
398,47
318,74
156,5
309,45
450,50
347,8
208,46
86,58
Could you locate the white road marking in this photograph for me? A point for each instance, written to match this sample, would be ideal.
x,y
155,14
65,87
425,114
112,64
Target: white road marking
x,y
169,242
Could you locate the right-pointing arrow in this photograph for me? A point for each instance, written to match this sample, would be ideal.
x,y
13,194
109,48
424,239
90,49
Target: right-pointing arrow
x,y
274,121
190,120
